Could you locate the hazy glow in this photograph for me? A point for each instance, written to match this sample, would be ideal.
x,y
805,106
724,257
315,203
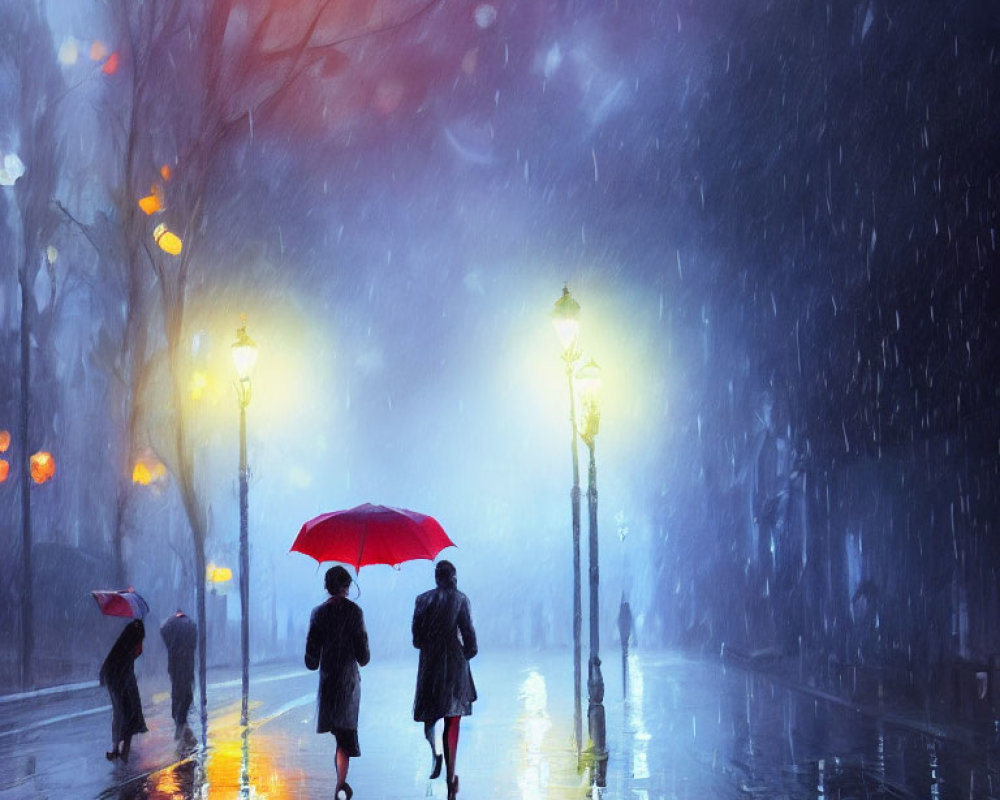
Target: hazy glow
x,y
4,469
4,441
69,51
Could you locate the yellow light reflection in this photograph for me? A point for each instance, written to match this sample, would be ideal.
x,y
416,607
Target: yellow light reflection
x,y
534,724
237,766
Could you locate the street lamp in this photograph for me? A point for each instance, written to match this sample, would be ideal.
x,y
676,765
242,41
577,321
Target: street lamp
x,y
588,382
564,319
244,357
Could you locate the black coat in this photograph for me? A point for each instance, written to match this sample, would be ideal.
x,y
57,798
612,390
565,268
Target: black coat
x,y
443,632
118,675
180,635
337,644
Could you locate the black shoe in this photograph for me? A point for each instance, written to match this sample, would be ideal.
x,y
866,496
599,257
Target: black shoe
x,y
453,788
345,787
438,760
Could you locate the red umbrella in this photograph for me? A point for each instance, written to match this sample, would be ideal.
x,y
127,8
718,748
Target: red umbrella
x,y
121,603
369,534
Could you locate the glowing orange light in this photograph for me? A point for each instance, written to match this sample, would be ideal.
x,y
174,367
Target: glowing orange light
x,y
168,241
4,469
4,441
153,201
111,65
43,467
165,172
98,50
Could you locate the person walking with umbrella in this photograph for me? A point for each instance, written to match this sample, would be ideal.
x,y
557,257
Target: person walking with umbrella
x,y
118,675
180,635
443,632
337,644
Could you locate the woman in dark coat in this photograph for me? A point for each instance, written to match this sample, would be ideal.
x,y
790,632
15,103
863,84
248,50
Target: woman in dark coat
x,y
443,632
337,644
118,674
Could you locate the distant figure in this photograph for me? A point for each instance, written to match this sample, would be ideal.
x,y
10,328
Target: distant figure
x,y
180,635
624,632
118,675
443,632
337,643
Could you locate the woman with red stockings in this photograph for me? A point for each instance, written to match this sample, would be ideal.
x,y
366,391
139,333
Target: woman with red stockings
x,y
443,632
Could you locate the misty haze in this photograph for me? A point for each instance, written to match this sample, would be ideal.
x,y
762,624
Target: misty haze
x,y
676,320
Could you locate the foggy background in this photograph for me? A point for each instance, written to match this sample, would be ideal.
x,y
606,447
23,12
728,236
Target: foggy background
x,y
779,219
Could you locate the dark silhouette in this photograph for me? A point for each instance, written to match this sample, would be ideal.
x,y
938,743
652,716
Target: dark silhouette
x,y
118,675
624,633
337,643
443,632
180,635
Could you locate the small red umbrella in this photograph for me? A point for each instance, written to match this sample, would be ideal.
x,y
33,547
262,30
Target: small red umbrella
x,y
121,603
370,534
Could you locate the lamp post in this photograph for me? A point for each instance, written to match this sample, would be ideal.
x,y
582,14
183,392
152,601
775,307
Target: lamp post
x,y
588,381
564,319
244,357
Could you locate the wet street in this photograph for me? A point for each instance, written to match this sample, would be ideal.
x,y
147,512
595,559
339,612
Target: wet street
x,y
690,729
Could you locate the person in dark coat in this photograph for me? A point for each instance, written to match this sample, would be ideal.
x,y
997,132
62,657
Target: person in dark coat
x,y
180,635
118,675
337,644
443,632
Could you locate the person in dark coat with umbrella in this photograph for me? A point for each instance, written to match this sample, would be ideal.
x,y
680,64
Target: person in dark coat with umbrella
x,y
443,632
337,644
180,635
118,675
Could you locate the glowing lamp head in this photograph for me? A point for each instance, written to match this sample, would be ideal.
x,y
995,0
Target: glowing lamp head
x,y
565,319
244,358
43,467
244,353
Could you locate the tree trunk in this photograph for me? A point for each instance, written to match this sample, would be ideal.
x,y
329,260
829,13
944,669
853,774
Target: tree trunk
x,y
27,601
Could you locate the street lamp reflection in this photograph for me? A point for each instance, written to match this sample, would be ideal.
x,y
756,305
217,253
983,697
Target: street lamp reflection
x,y
534,724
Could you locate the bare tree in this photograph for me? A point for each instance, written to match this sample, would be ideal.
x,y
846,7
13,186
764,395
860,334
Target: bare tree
x,y
29,57
202,76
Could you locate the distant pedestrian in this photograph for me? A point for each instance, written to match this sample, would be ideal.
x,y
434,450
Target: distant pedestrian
x,y
118,675
180,635
337,643
624,632
443,632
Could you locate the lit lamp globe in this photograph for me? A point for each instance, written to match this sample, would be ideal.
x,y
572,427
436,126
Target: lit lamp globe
x,y
244,358
565,319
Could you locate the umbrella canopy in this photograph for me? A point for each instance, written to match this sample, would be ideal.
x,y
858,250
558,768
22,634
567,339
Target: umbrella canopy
x,y
370,534
121,603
